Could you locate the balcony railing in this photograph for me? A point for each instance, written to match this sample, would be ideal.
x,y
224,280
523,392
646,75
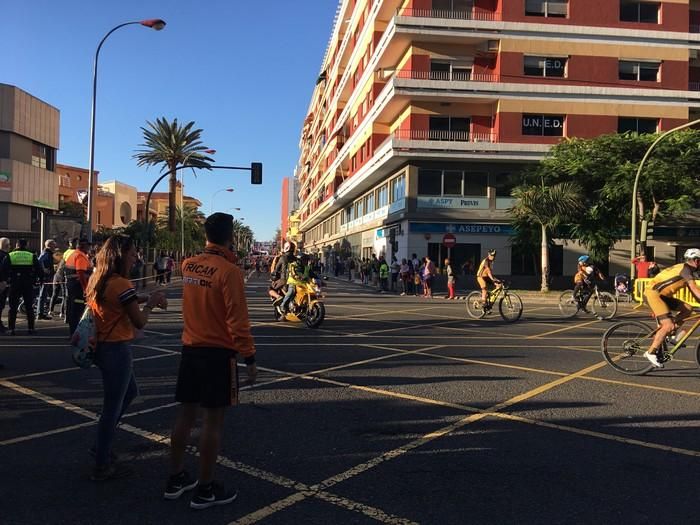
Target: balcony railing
x,y
694,28
447,76
443,136
694,86
471,14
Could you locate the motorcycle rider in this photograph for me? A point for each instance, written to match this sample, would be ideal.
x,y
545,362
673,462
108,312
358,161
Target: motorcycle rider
x,y
295,277
279,271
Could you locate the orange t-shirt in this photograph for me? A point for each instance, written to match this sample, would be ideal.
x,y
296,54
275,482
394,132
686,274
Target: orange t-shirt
x,y
111,320
214,307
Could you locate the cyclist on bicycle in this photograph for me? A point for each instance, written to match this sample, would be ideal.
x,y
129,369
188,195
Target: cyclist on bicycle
x,y
659,296
484,275
583,281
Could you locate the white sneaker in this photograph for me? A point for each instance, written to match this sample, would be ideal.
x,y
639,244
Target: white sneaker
x,y
653,359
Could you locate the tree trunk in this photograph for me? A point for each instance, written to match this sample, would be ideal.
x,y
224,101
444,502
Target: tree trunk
x,y
545,260
172,205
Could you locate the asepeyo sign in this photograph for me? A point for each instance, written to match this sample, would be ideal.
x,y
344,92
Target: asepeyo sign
x,y
459,203
465,228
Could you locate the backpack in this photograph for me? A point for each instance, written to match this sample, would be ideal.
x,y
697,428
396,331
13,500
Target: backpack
x,y
84,340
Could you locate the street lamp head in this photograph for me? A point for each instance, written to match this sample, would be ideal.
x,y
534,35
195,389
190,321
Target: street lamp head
x,y
154,23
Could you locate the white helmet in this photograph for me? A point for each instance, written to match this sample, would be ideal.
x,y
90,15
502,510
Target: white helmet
x,y
691,253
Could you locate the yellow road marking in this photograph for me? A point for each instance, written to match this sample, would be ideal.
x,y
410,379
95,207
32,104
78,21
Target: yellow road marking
x,y
235,465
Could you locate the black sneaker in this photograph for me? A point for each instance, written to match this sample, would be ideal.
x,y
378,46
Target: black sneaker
x,y
211,495
179,484
111,471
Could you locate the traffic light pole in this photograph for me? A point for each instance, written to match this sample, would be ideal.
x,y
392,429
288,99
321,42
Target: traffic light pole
x,y
256,178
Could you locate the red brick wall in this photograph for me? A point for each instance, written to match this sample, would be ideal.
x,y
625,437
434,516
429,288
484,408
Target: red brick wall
x,y
601,13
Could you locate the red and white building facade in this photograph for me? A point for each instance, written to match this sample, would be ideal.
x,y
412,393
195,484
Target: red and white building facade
x,y
426,111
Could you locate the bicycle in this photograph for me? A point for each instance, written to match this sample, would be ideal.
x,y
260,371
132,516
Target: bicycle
x,y
510,306
623,346
603,304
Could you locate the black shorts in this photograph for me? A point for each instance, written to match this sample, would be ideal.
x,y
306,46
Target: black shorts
x,y
208,377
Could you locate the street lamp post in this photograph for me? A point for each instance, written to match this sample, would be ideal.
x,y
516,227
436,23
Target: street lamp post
x,y
155,23
633,233
211,210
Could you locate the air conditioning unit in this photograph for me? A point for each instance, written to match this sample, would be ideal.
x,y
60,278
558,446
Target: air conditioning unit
x,y
492,46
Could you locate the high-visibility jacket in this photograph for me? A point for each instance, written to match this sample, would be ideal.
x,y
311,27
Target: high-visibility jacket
x,y
22,267
68,253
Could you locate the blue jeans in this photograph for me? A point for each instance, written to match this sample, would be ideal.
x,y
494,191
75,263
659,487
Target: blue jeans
x,y
291,291
115,361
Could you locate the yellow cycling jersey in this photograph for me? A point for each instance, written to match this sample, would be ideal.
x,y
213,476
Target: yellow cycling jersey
x,y
485,264
672,279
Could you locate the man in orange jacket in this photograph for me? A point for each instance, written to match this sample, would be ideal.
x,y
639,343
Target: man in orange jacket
x,y
216,330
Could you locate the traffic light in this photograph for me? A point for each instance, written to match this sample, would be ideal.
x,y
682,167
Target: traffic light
x,y
256,172
646,231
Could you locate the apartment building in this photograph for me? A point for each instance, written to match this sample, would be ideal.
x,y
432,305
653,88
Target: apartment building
x,y
289,204
426,112
29,132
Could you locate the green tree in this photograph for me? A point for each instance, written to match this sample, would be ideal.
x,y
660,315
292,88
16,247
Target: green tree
x,y
193,229
72,209
605,168
171,145
546,207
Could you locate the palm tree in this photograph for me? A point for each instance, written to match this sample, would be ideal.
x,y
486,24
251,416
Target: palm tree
x,y
193,229
170,144
547,207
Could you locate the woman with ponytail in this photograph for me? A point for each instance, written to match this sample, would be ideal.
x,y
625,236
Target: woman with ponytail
x,y
114,303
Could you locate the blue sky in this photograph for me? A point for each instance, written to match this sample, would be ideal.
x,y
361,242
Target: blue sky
x,y
242,70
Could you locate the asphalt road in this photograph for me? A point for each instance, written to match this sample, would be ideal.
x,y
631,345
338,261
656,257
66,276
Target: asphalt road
x,y
396,410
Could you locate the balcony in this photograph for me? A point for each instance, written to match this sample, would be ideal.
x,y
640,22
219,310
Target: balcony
x,y
694,28
694,86
447,76
471,14
443,136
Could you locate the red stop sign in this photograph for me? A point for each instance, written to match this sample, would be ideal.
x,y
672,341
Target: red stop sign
x,y
449,240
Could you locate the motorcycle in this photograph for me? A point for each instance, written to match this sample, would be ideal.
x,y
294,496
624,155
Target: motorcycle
x,y
306,306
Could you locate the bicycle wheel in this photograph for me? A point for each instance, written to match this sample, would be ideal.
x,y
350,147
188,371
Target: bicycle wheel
x,y
475,307
568,306
624,344
510,307
605,305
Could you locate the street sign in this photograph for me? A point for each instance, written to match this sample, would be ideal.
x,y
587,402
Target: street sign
x,y
449,240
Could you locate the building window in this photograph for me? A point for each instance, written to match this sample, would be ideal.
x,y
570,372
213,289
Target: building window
x,y
641,71
39,155
453,5
443,70
635,11
504,183
369,203
99,217
452,183
398,188
545,66
543,125
476,184
548,8
382,196
637,125
449,128
429,182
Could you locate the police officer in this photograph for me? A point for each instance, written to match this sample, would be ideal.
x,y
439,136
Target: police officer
x,y
23,270
77,272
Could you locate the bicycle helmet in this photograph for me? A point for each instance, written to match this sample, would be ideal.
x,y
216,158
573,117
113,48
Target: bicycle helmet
x,y
583,259
288,247
491,253
691,253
